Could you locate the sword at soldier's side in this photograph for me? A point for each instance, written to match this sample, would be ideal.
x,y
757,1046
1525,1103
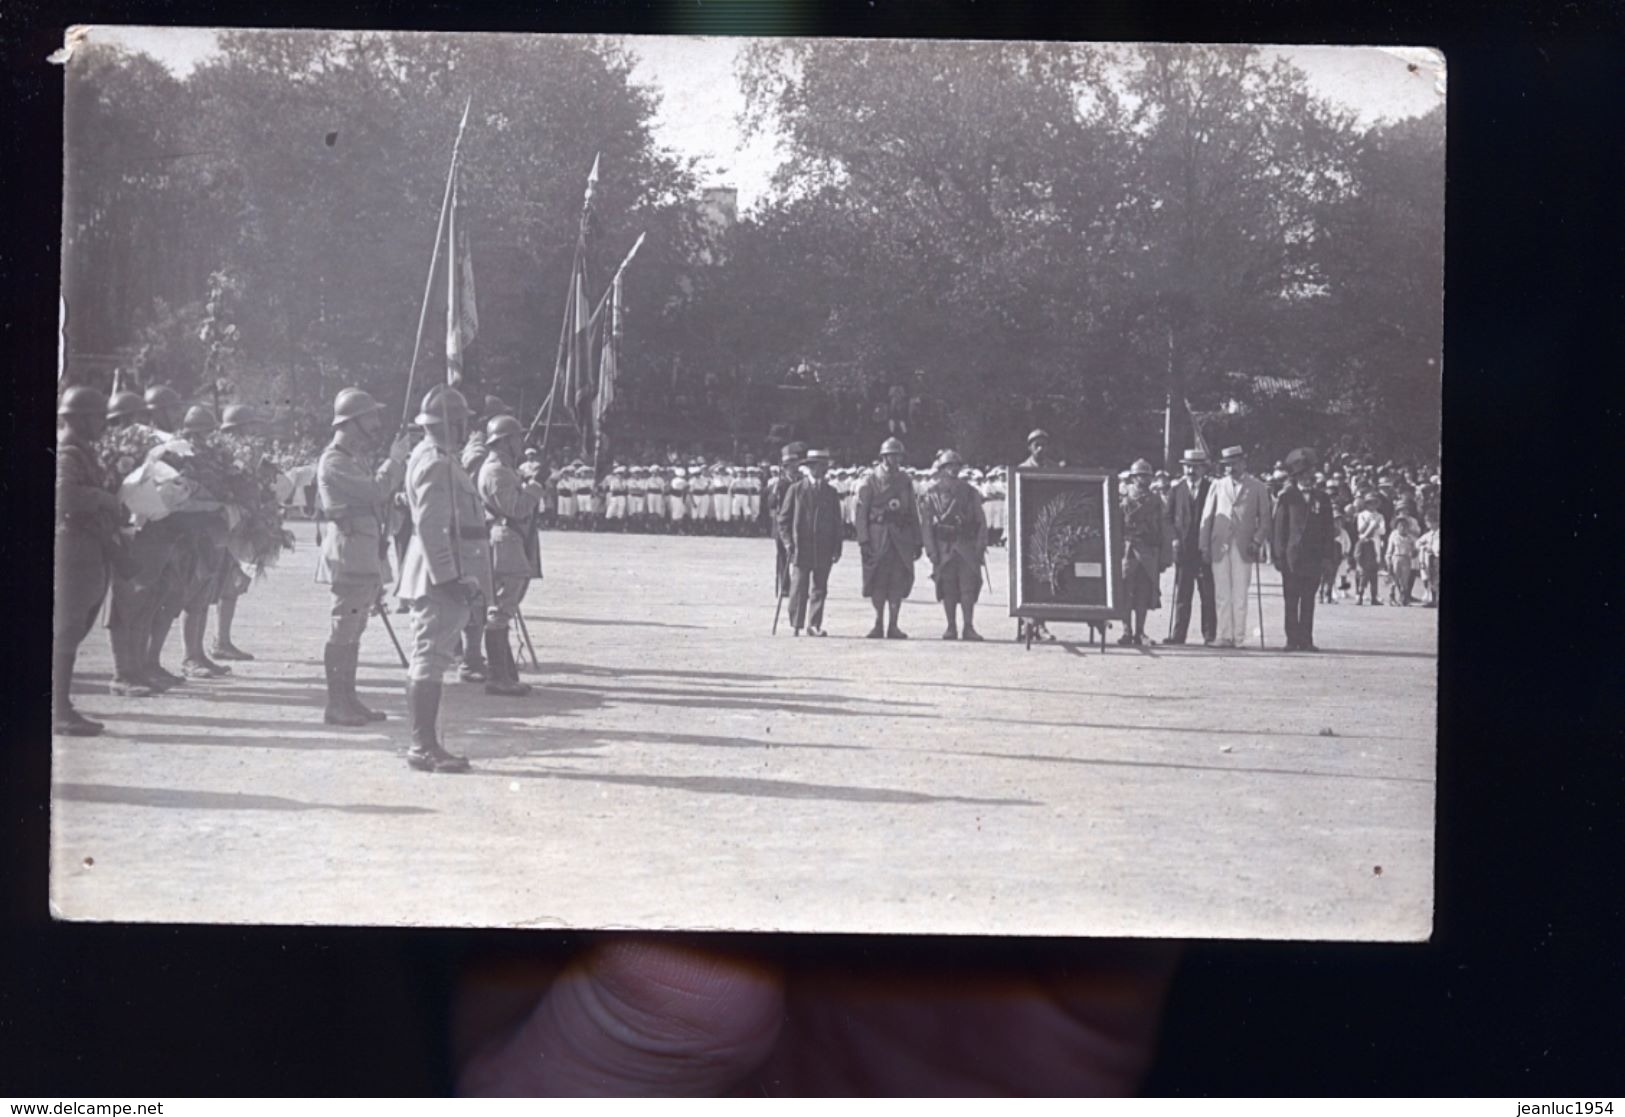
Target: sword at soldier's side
x,y
524,633
383,615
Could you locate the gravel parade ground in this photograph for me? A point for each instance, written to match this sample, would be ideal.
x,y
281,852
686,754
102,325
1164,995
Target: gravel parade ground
x,y
677,767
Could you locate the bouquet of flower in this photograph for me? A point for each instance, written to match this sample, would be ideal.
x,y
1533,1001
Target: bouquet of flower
x,y
257,537
124,449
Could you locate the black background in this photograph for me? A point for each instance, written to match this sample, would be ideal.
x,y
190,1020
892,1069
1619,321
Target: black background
x,y
1520,991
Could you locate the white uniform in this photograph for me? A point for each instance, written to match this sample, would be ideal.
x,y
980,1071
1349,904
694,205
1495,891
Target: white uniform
x,y
678,499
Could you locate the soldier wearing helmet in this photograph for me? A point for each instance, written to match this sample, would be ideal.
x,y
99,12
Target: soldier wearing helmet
x,y
1148,549
1038,457
87,519
191,581
148,552
954,533
511,505
446,569
354,495
472,669
888,532
240,430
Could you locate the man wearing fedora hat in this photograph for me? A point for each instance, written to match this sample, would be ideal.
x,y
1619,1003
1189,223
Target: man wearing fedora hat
x,y
1186,499
777,490
1303,537
953,531
1235,535
888,529
809,525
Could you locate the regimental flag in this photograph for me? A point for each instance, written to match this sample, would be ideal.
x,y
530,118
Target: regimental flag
x,y
1196,429
462,319
610,360
576,353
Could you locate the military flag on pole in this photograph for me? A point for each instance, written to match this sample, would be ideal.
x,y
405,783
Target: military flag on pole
x,y
610,360
462,319
575,358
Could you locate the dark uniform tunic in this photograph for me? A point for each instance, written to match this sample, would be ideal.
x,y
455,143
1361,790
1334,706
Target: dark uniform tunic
x,y
86,522
954,533
1147,548
888,529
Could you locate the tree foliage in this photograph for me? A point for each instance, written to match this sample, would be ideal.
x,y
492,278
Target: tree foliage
x,y
1014,233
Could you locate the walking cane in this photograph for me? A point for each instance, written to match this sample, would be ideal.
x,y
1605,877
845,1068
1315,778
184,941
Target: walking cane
x,y
1260,584
383,615
525,633
777,609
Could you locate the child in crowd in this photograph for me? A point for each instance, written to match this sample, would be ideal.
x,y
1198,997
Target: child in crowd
x,y
1401,560
1427,548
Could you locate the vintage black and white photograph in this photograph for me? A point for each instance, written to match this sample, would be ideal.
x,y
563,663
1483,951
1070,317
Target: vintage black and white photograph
x,y
804,485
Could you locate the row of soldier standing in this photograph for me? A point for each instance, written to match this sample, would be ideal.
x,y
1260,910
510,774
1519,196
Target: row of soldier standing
x,y
894,529
467,562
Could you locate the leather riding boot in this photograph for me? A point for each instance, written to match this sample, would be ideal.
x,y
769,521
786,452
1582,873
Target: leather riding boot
x,y
503,676
339,710
128,680
969,631
892,631
352,652
65,719
473,669
423,710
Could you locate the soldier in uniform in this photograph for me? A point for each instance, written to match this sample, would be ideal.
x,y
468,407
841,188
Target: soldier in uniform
x,y
1147,550
145,555
1038,457
354,498
1192,576
888,525
472,669
1303,537
777,491
445,571
953,530
1235,532
87,519
809,524
239,426
510,516
161,551
200,556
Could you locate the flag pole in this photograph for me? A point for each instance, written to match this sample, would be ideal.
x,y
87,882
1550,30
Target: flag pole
x,y
434,262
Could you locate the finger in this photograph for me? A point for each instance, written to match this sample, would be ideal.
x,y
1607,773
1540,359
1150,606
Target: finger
x,y
638,1017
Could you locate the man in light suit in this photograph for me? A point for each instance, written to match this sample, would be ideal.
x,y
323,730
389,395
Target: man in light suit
x,y
1234,536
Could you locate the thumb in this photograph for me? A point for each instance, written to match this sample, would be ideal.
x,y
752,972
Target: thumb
x,y
638,1017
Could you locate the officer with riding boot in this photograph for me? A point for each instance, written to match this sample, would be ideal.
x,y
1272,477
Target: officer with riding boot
x,y
511,506
446,568
354,497
87,517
